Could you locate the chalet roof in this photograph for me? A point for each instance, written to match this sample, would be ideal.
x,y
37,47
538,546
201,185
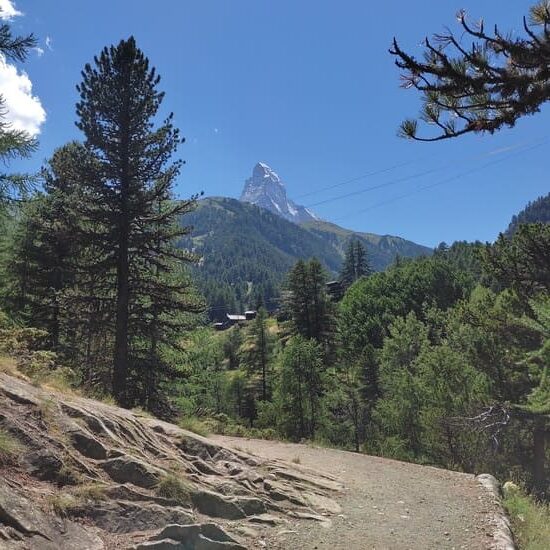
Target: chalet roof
x,y
236,317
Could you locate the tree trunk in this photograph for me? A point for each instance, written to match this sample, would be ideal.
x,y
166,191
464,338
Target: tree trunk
x,y
539,455
120,367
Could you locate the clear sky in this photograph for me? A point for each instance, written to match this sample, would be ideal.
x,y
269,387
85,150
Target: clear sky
x,y
306,86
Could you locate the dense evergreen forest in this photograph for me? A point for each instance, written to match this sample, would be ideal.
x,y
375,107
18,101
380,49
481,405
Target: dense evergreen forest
x,y
441,359
246,252
536,211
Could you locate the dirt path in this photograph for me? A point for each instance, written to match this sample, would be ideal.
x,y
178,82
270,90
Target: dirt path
x,y
386,504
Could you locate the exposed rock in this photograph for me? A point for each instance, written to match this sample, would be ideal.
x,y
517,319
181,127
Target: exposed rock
x,y
126,517
215,505
88,445
265,519
116,460
44,464
127,469
266,189
206,536
26,526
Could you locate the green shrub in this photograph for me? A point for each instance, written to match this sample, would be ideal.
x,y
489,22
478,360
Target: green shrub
x,y
194,425
530,520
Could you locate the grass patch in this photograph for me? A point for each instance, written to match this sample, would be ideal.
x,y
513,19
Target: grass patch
x,y
194,425
94,492
530,520
174,488
296,460
8,365
64,504
10,448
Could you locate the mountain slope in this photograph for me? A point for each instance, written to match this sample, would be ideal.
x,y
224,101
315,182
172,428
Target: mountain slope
x,y
536,211
248,250
266,189
381,249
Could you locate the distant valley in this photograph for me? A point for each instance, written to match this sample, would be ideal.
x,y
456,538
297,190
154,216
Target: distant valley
x,y
248,246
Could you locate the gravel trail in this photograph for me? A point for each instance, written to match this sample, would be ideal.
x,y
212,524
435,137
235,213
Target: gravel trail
x,y
386,504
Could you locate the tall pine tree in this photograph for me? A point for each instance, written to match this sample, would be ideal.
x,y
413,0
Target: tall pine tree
x,y
356,264
129,203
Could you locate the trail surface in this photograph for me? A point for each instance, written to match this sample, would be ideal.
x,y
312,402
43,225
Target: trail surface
x,y
385,504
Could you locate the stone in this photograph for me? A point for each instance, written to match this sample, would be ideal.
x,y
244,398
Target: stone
x,y
206,536
214,505
88,445
33,528
127,469
265,519
126,517
165,544
43,464
251,505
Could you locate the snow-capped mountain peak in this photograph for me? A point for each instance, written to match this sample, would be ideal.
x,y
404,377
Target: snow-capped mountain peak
x,y
266,190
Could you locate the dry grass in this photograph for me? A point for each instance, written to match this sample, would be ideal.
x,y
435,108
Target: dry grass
x,y
8,365
296,460
94,492
174,488
10,448
63,504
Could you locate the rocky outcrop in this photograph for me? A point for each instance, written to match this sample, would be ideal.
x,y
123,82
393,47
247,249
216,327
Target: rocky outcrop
x,y
266,190
93,476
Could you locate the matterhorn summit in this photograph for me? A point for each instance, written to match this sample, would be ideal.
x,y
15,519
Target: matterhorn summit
x,y
266,190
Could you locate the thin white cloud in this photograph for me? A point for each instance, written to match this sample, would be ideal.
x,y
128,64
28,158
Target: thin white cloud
x,y
23,109
49,43
39,51
8,10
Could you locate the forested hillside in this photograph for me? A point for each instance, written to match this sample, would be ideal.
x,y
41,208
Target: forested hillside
x,y
246,252
536,211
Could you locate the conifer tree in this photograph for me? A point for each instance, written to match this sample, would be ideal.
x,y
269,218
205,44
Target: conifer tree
x,y
356,264
479,86
128,201
307,301
13,143
259,349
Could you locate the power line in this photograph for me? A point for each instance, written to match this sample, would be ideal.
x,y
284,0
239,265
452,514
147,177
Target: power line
x,y
412,176
448,180
358,178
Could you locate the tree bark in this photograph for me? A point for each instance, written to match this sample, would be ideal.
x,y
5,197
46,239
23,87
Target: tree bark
x,y
539,455
120,367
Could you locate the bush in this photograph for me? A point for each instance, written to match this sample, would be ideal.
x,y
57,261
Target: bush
x,y
194,425
530,520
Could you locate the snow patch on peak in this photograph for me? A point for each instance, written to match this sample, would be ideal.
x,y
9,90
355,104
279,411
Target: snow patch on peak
x,y
266,190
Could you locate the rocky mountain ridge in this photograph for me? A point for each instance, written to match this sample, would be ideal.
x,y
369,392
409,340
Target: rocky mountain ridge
x,y
266,190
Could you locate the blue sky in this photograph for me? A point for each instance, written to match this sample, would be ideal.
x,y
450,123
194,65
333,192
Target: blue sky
x,y
308,87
